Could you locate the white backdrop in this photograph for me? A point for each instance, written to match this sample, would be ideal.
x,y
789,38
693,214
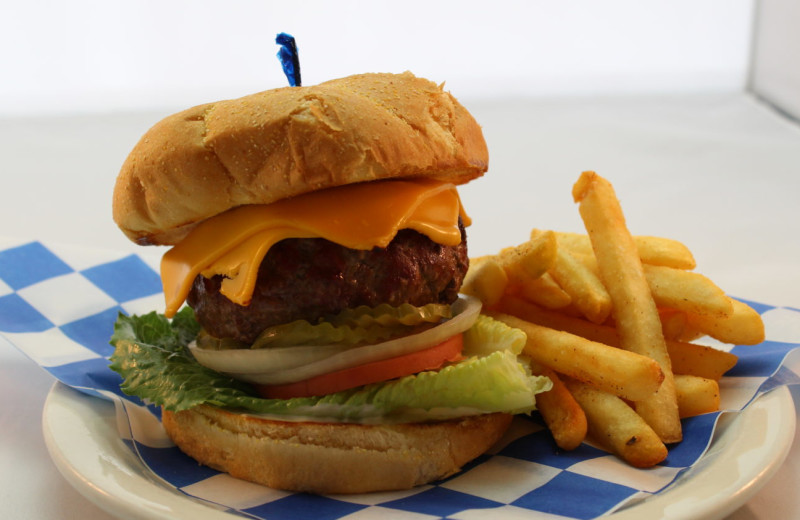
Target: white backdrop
x,y
95,55
707,163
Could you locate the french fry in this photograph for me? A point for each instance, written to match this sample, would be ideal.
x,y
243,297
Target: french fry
x,y
652,250
686,291
635,311
743,327
673,323
564,417
618,427
533,313
543,291
696,395
686,358
486,280
690,334
577,243
691,359
664,251
608,318
530,259
589,261
677,289
620,372
585,289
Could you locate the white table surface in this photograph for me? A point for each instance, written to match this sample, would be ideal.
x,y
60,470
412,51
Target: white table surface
x,y
719,171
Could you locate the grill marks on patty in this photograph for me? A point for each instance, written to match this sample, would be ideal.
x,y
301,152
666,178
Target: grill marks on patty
x,y
309,278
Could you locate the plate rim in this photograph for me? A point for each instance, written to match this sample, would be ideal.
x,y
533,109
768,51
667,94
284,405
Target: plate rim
x,y
102,492
780,403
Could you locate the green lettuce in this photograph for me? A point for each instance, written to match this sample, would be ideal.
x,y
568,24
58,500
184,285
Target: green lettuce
x,y
155,364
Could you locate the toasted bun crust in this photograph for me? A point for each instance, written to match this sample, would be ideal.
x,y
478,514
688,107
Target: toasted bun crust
x,y
285,142
331,458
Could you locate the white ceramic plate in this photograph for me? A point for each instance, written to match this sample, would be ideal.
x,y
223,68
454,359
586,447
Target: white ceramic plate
x,y
81,435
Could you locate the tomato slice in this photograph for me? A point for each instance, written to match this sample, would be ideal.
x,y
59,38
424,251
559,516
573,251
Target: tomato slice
x,y
428,359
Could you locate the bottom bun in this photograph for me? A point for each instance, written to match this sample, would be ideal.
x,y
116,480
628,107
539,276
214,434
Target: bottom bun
x,y
331,458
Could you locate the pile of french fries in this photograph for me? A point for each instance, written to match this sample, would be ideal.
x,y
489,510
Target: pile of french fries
x,y
610,319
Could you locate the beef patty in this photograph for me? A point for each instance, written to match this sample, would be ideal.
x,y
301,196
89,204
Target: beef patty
x,y
309,278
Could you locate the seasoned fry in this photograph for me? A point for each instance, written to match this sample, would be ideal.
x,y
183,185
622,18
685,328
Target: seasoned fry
x,y
609,318
676,288
696,395
652,250
528,311
690,333
743,327
635,311
588,260
564,417
626,374
673,323
691,359
664,251
686,291
687,358
543,291
585,289
485,280
618,427
576,242
530,259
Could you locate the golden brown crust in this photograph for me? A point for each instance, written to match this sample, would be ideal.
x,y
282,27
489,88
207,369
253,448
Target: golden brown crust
x,y
284,142
331,458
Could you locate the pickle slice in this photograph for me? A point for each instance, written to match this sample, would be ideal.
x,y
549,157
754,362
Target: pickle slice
x,y
387,315
356,326
206,341
301,332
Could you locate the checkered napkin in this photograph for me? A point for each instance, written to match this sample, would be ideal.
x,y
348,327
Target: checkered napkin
x,y
58,305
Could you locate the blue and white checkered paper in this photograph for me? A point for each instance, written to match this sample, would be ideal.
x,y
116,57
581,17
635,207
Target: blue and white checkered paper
x,y
58,305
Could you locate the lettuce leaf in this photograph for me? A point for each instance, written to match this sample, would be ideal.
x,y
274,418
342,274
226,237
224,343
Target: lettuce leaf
x,y
152,357
488,335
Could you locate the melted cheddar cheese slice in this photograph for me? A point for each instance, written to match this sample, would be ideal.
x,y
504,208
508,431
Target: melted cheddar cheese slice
x,y
357,216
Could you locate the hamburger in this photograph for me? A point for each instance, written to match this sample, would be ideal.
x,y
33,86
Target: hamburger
x,y
313,336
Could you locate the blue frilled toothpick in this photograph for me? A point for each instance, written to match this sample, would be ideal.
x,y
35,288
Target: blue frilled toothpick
x,y
290,59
